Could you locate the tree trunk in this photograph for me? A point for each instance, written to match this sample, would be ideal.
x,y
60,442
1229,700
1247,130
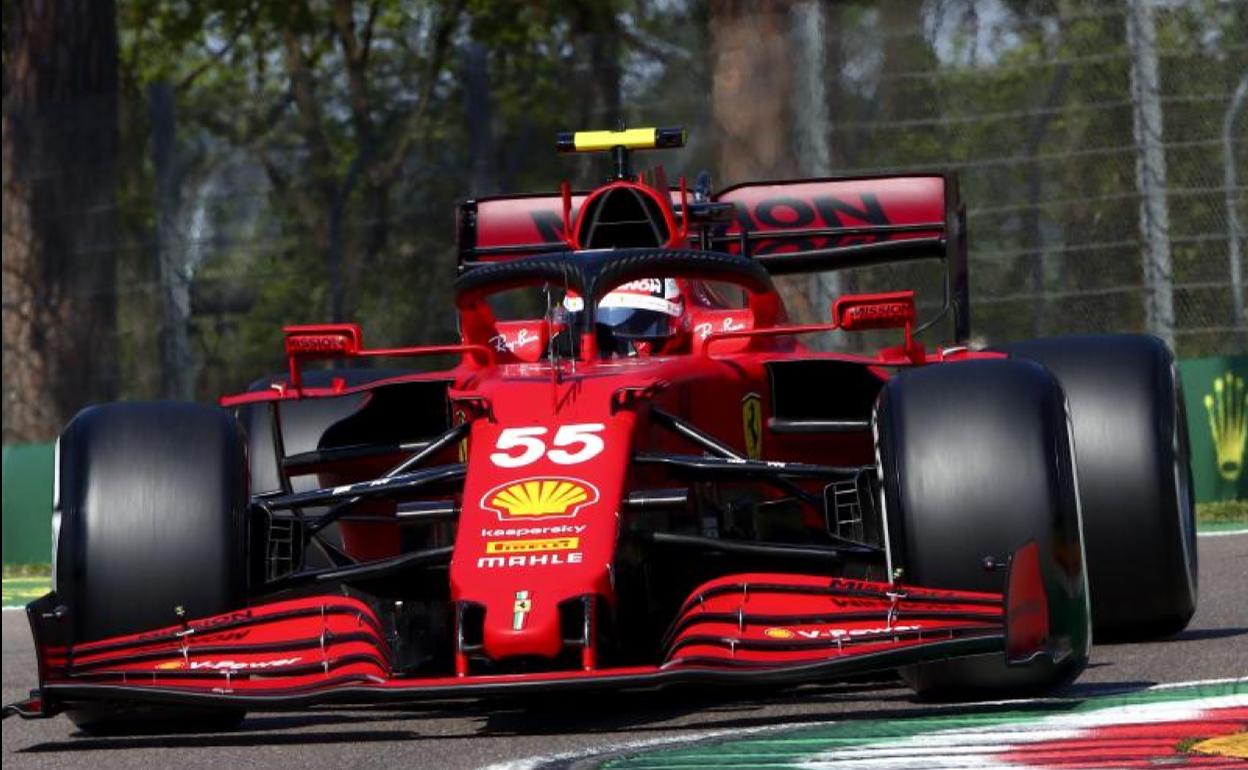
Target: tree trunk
x,y
1033,237
596,75
177,363
751,88
479,116
812,122
752,59
59,153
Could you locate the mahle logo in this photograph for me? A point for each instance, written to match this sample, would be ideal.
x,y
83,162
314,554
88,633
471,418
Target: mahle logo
x,y
1228,421
540,497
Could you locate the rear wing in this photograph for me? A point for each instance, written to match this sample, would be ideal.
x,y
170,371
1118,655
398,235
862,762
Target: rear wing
x,y
511,226
817,225
802,226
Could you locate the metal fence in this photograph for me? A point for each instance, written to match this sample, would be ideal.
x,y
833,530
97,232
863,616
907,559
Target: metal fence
x,y
1102,150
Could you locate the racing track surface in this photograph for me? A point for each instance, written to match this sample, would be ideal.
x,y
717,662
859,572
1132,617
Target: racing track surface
x,y
468,735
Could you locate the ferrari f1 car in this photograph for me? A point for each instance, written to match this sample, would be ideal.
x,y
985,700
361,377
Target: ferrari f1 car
x,y
650,479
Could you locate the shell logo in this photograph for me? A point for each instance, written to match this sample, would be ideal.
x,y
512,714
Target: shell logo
x,y
170,665
537,497
778,633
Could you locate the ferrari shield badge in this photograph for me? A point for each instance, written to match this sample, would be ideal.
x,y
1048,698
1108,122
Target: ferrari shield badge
x,y
460,418
752,423
520,610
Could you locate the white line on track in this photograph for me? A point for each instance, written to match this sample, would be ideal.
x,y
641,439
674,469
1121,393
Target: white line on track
x,y
533,763
1223,534
991,745
1201,683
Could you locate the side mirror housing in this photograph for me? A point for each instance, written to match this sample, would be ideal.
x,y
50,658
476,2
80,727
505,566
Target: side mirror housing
x,y
889,310
323,340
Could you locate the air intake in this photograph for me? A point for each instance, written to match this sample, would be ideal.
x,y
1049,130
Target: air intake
x,y
622,217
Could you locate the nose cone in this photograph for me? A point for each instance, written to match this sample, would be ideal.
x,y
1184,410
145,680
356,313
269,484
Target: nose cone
x,y
525,570
540,513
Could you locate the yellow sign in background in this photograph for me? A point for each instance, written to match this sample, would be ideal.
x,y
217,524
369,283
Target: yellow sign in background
x,y
1216,395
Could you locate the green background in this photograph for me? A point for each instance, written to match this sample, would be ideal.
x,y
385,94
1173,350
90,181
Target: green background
x,y
28,504
1198,377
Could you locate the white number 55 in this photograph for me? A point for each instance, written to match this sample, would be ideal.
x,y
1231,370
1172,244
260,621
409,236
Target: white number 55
x,y
574,444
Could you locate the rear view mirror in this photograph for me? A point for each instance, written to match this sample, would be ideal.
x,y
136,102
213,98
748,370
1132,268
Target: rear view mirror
x,y
889,310
322,340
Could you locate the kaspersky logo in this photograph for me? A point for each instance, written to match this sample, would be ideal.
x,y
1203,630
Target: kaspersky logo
x,y
1228,421
539,497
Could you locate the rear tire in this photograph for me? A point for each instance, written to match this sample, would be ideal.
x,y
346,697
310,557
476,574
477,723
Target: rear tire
x,y
1131,446
152,501
975,460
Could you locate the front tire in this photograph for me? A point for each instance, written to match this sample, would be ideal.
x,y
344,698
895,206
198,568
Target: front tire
x,y
152,501
975,461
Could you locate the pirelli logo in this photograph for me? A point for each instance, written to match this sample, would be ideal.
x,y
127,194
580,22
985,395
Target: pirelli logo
x,y
533,546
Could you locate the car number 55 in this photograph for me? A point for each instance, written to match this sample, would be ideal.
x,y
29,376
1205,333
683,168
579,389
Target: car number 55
x,y
573,444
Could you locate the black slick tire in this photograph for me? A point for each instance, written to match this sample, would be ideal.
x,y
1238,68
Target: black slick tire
x,y
152,503
975,461
1131,446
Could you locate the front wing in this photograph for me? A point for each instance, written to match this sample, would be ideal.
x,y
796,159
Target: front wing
x,y
756,628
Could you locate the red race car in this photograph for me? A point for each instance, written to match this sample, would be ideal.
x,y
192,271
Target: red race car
x,y
646,479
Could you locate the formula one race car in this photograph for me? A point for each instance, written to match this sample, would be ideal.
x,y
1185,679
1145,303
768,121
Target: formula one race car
x,y
649,480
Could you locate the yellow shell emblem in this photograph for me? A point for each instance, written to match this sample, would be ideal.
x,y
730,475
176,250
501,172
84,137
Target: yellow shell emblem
x,y
778,633
540,497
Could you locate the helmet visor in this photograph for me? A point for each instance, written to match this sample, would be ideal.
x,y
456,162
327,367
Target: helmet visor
x,y
634,323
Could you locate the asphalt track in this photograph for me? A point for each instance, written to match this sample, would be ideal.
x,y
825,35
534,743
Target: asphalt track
x,y
470,734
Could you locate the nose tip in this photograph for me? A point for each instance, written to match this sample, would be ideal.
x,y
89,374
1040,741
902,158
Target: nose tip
x,y
520,623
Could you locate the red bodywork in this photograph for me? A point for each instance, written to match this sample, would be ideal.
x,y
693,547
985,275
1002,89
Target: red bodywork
x,y
554,452
779,628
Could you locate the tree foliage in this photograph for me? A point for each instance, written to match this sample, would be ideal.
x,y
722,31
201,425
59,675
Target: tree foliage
x,y
319,147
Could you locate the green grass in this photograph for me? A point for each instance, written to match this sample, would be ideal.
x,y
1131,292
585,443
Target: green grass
x,y
1228,512
27,570
21,590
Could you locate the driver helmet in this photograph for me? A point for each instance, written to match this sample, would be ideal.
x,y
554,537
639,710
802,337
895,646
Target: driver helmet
x,y
635,317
